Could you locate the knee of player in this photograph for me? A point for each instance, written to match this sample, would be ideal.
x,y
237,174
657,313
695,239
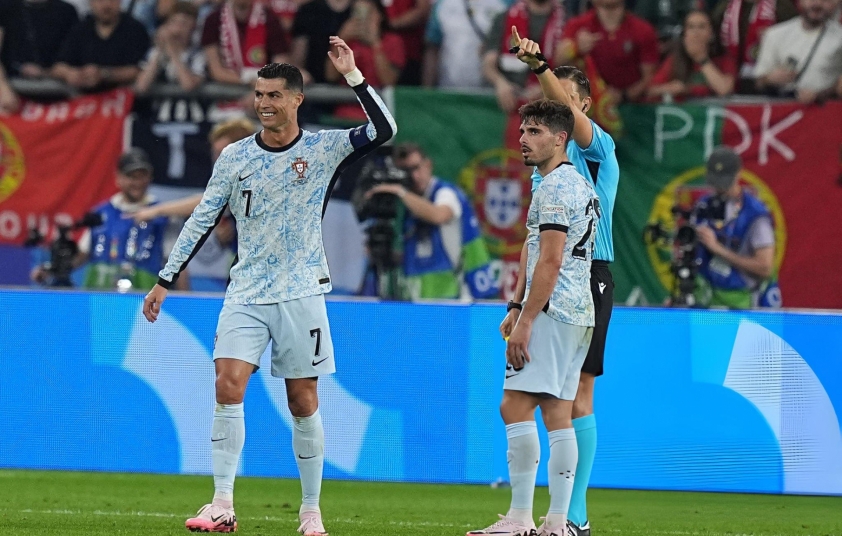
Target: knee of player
x,y
228,390
302,405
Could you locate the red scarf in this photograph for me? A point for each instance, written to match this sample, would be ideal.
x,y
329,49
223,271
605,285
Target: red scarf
x,y
518,16
762,16
253,54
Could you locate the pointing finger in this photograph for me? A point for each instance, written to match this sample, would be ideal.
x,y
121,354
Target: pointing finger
x,y
515,37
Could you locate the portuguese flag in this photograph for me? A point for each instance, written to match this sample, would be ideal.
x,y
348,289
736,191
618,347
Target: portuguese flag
x,y
791,157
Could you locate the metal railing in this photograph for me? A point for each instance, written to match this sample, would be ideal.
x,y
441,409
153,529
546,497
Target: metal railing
x,y
51,89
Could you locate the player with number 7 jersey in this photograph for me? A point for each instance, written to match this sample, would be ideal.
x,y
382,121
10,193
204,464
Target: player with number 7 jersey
x,y
276,184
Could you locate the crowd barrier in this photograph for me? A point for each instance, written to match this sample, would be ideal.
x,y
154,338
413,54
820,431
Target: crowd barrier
x,y
692,400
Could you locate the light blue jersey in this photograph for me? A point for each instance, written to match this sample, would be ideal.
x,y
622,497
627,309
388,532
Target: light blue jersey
x,y
565,201
277,196
598,163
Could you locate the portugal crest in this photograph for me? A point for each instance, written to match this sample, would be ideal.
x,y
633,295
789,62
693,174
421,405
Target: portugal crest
x,y
503,205
499,184
300,167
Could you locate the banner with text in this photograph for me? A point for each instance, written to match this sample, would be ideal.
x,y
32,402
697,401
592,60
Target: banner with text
x,y
174,132
58,160
791,157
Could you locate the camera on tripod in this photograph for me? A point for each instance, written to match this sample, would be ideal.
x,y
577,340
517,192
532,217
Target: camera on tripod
x,y
380,211
683,244
63,249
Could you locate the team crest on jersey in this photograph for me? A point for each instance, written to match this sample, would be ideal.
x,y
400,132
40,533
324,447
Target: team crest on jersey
x,y
300,166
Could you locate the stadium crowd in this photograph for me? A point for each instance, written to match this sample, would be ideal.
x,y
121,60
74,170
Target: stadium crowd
x,y
631,50
643,50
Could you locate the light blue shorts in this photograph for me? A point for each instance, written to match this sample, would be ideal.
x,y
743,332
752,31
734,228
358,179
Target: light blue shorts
x,y
299,331
557,351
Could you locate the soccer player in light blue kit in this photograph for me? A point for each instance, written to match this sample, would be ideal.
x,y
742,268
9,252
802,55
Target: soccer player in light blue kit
x,y
549,342
276,184
592,153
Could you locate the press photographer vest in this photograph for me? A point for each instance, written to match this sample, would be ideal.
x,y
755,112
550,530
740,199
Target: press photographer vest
x,y
430,273
738,289
122,248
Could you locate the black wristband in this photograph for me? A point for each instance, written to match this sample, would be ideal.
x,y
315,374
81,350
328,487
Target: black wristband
x,y
513,305
543,67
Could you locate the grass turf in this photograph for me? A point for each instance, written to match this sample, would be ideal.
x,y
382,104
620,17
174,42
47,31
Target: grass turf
x,y
52,502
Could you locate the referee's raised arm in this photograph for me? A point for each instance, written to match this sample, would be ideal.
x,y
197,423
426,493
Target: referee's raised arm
x,y
563,91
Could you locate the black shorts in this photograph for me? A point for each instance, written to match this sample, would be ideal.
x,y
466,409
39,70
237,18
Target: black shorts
x,y
602,288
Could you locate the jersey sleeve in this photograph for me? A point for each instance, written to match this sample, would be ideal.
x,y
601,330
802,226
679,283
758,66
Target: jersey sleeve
x,y
553,210
206,215
602,145
366,138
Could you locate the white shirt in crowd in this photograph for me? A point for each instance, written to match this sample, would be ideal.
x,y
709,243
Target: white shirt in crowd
x,y
451,232
459,28
788,44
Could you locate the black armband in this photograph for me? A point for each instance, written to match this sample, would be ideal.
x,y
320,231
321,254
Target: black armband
x,y
543,67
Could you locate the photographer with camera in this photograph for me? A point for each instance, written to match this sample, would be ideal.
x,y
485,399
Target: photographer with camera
x,y
123,254
736,239
444,254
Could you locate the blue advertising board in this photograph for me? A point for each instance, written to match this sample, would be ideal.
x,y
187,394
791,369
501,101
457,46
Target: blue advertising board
x,y
692,400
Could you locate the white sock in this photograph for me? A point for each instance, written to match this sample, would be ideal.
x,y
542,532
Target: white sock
x,y
228,435
308,444
523,456
564,455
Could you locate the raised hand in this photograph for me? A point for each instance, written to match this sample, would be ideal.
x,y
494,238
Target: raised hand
x,y
528,52
343,57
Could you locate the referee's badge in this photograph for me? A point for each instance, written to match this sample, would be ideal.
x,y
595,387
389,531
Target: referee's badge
x,y
300,167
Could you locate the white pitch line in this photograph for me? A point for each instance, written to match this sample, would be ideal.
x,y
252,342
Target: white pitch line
x,y
352,521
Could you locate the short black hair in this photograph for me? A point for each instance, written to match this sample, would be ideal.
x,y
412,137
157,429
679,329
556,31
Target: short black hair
x,y
554,115
568,72
289,73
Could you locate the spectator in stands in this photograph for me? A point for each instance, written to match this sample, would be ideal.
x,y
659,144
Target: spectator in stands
x,y
803,56
408,18
504,70
285,10
622,46
174,59
10,14
104,50
209,269
454,38
378,50
241,37
314,23
737,240
121,253
666,16
741,24
43,27
444,253
697,67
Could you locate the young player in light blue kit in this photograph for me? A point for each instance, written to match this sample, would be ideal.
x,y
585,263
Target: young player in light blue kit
x,y
276,184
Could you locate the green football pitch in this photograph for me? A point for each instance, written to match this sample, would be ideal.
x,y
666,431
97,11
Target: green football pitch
x,y
59,503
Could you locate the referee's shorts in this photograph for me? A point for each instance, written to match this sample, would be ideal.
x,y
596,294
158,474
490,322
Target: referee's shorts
x,y
602,288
